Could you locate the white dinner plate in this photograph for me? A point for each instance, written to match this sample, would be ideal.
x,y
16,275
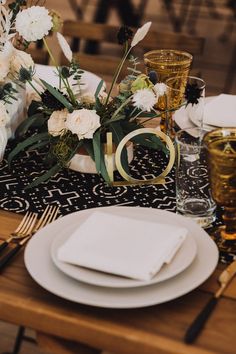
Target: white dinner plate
x,y
48,73
42,269
181,261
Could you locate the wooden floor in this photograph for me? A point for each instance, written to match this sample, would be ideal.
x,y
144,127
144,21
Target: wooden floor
x,y
7,336
214,65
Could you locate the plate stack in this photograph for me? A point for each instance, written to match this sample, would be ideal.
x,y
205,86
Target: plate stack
x,y
79,257
219,111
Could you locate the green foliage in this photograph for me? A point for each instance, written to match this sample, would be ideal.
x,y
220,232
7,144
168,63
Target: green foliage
x,y
58,96
15,7
151,141
36,120
45,177
27,143
7,93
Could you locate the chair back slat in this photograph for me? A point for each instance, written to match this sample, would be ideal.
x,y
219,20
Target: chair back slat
x,y
104,33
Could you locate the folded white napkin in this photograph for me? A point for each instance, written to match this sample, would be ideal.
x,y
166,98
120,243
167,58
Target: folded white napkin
x,y
122,246
221,111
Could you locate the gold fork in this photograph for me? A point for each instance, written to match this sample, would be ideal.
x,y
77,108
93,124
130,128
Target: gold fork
x,y
49,215
24,229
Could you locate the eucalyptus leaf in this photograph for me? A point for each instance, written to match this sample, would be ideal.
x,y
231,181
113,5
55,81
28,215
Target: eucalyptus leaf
x,y
27,123
118,135
99,157
115,119
38,145
151,141
88,145
99,87
97,150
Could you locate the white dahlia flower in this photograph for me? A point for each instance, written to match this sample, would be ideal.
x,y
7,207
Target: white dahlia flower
x,y
83,122
33,23
144,99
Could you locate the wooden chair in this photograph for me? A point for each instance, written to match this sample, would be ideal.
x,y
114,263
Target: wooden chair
x,y
105,64
39,55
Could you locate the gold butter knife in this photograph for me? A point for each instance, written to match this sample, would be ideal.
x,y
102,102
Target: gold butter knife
x,y
224,279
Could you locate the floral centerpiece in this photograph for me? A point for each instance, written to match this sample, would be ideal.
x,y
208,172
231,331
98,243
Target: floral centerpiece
x,y
63,120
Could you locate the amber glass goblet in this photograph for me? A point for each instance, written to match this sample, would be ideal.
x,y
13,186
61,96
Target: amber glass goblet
x,y
221,150
168,63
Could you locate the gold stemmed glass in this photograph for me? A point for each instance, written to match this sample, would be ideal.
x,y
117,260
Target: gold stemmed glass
x,y
167,63
221,150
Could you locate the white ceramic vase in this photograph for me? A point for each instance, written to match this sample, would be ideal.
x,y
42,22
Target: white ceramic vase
x,y
83,163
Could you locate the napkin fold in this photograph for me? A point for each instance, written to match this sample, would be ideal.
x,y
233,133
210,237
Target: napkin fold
x,y
221,111
122,246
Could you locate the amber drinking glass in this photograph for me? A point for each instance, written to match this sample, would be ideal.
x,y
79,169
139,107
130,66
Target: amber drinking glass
x,y
167,63
221,150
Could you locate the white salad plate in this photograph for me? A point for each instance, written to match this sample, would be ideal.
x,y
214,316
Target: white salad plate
x,y
40,266
181,261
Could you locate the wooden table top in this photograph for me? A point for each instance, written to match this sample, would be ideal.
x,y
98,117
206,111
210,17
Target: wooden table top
x,y
156,329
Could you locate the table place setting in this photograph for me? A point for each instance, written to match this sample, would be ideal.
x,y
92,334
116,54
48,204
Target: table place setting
x,y
147,210
56,266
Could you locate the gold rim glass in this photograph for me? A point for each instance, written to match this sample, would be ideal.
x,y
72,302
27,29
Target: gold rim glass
x,y
221,149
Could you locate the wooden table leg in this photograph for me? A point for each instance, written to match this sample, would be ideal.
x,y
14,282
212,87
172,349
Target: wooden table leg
x,y
55,345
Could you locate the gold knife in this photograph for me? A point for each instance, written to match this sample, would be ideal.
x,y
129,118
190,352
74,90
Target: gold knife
x,y
224,279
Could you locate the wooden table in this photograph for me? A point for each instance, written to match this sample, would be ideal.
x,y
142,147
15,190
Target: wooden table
x,y
157,329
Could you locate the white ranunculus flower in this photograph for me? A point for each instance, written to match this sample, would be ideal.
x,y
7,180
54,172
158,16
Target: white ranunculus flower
x,y
140,34
144,99
64,47
56,122
83,122
5,56
20,59
33,23
4,116
160,89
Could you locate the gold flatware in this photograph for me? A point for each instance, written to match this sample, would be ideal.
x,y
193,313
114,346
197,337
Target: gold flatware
x,y
49,215
24,229
224,279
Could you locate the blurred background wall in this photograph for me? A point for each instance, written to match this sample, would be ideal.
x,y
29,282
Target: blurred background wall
x,y
215,20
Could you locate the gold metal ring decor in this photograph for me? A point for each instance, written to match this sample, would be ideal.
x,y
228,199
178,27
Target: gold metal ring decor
x,y
128,180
